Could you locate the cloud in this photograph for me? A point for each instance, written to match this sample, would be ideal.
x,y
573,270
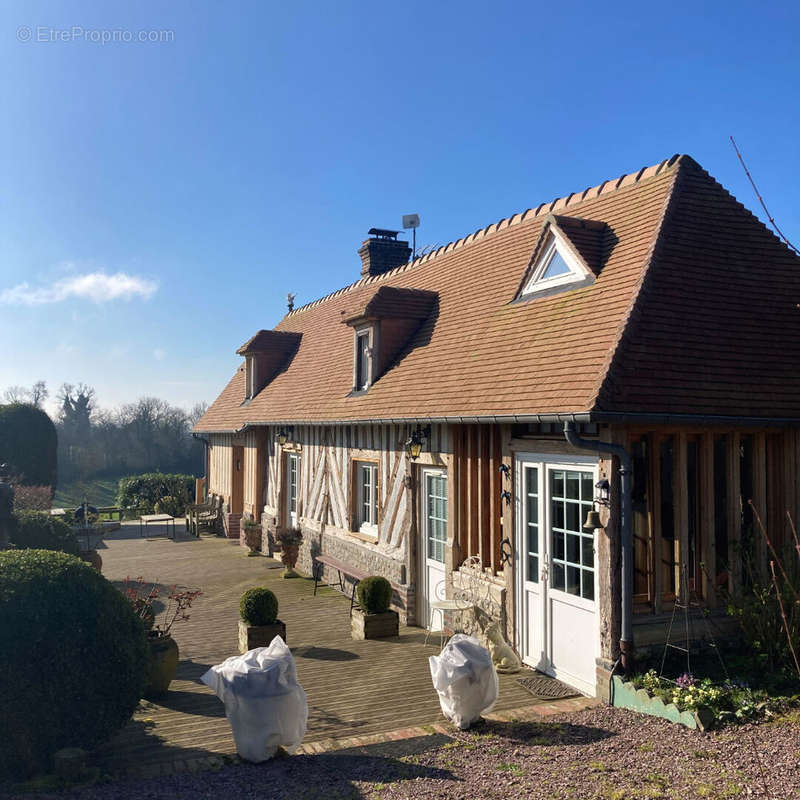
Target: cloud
x,y
159,354
99,287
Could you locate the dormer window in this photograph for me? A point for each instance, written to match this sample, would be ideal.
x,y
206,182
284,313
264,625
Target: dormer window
x,y
554,267
363,361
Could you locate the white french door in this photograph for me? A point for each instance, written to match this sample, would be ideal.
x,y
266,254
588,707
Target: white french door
x,y
433,513
292,482
556,568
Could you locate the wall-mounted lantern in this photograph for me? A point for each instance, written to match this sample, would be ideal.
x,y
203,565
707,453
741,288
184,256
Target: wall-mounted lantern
x,y
284,434
414,442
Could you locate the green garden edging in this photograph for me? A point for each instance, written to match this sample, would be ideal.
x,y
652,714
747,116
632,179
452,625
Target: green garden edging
x,y
625,695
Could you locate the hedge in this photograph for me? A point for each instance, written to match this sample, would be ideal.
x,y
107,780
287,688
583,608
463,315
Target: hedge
x,y
33,530
73,658
28,444
144,491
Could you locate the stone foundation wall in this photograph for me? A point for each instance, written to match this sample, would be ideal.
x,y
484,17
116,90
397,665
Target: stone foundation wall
x,y
352,552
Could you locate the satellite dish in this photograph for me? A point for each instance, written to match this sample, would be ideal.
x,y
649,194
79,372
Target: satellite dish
x,y
410,221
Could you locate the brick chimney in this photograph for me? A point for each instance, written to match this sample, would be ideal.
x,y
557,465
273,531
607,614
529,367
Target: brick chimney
x,y
382,252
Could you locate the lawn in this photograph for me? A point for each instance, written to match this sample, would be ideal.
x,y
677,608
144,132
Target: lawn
x,y
97,491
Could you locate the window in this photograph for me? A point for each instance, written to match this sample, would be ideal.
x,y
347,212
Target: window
x,y
532,522
367,497
362,362
571,495
292,475
553,267
436,515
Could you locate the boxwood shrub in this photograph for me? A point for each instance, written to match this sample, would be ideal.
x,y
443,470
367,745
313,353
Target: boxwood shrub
x,y
258,607
374,594
33,530
73,658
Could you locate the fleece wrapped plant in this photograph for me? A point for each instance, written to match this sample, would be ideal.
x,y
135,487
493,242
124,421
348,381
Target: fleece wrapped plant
x,y
258,606
375,594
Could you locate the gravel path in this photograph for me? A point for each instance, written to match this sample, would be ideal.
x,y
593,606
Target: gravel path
x,y
599,753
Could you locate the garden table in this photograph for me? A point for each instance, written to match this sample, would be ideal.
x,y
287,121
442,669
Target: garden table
x,y
147,519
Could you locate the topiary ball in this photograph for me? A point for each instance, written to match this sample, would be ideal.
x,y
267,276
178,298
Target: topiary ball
x,y
258,607
73,658
374,594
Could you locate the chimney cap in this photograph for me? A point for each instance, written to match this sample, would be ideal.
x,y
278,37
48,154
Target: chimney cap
x,y
382,233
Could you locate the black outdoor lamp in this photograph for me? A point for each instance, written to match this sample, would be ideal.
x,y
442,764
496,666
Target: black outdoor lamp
x,y
603,499
413,444
283,436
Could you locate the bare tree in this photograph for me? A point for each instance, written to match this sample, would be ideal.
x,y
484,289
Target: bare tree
x,y
35,396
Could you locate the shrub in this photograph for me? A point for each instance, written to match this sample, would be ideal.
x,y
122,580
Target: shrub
x,y
73,658
169,505
258,607
144,491
34,530
374,594
28,444
32,498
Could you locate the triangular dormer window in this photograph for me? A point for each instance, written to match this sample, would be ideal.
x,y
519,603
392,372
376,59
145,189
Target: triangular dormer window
x,y
555,266
569,254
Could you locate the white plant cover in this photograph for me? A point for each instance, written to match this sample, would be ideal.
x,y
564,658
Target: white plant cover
x,y
465,679
264,703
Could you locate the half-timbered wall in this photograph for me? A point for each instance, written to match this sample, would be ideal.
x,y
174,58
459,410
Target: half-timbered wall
x,y
220,459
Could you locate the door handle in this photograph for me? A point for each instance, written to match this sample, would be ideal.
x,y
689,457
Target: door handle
x,y
545,571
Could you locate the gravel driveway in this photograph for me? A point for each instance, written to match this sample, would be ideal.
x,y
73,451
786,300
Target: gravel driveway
x,y
599,753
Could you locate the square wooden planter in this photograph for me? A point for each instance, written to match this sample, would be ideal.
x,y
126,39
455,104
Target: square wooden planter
x,y
373,626
251,636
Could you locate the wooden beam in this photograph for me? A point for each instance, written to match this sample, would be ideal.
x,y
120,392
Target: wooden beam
x,y
479,498
680,496
706,513
655,495
734,512
760,501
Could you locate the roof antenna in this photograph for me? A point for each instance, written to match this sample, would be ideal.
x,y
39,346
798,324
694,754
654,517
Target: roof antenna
x,y
760,199
290,300
412,221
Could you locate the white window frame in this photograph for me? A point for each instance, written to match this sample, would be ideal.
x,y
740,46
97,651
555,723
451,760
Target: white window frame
x,y
367,498
555,244
250,377
362,386
292,516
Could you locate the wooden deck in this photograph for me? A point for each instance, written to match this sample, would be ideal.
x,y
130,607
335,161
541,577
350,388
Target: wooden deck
x,y
354,688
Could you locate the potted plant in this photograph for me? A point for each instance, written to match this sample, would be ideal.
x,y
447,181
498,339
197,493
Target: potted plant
x,y
373,619
164,654
258,619
251,531
289,539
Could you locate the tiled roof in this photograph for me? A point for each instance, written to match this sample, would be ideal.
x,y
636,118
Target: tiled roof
x,y
390,301
268,340
687,277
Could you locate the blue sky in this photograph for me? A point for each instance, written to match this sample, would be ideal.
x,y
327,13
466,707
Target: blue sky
x,y
159,199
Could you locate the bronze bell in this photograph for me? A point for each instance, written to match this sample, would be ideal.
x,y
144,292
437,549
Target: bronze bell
x,y
592,521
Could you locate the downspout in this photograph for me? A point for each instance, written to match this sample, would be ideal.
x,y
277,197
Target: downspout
x,y
626,532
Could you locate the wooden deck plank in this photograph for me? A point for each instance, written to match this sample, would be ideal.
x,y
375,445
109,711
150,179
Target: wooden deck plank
x,y
354,688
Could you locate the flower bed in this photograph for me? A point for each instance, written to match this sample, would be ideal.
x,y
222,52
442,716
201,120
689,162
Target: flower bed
x,y
698,703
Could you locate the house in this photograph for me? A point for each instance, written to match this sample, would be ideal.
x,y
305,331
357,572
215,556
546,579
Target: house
x,y
636,344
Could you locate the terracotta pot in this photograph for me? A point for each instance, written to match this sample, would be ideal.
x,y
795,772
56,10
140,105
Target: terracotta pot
x,y
163,665
252,538
94,558
289,555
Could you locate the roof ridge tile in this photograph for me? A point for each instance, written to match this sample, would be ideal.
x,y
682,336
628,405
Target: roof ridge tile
x,y
606,187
